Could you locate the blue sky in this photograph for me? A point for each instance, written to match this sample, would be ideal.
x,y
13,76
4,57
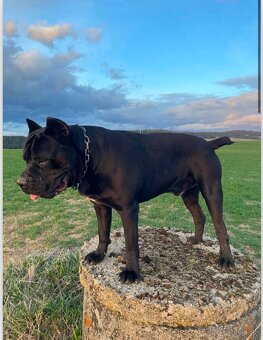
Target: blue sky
x,y
179,65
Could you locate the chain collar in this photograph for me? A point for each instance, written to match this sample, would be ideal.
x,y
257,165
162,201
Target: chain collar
x,y
87,158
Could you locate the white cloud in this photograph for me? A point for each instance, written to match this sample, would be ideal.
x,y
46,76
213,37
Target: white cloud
x,y
48,34
10,29
94,34
250,122
28,62
237,112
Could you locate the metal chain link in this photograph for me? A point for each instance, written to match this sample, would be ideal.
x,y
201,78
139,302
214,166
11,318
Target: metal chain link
x,y
87,157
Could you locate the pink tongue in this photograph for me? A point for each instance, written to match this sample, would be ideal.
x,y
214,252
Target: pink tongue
x,y
33,197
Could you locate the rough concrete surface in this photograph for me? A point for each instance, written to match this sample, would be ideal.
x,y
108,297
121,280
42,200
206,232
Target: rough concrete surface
x,y
184,293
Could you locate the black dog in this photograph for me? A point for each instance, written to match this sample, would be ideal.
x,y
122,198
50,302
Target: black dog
x,y
118,169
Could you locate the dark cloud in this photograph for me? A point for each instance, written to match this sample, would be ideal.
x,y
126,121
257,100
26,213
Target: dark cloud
x,y
250,82
113,73
39,85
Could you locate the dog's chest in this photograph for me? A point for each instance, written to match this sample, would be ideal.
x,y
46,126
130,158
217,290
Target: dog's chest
x,y
102,202
106,202
96,201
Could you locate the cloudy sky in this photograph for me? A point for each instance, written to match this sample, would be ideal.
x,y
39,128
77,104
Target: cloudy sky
x,y
131,64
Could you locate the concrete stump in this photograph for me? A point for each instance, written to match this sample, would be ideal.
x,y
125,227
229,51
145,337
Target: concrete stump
x,y
184,294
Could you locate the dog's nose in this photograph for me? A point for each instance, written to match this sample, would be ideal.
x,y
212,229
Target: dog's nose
x,y
22,182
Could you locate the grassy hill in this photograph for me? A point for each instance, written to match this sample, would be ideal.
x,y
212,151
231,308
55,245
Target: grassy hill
x,y
42,293
17,142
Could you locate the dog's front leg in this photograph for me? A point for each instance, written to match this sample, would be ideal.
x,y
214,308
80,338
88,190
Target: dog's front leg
x,y
129,217
104,216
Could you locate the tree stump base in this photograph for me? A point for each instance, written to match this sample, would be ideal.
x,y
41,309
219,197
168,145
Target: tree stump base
x,y
184,293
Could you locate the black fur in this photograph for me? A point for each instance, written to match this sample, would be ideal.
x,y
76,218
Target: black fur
x,y
125,169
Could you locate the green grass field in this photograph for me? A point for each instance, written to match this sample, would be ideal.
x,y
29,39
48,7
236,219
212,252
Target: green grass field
x,y
65,222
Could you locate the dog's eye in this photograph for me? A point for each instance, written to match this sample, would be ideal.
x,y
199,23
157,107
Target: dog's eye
x,y
43,163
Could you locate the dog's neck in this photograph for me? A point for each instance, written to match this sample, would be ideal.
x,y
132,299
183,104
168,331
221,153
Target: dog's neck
x,y
82,147
99,146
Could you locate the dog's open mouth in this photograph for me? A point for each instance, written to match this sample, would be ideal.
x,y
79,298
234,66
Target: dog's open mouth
x,y
61,186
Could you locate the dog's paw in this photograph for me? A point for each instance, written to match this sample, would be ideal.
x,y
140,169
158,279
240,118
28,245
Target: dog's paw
x,y
226,262
193,240
129,276
94,257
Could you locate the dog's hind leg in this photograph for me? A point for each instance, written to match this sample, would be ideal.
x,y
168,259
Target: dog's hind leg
x,y
190,198
129,217
211,189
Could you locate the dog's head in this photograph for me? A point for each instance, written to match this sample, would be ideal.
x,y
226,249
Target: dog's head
x,y
52,163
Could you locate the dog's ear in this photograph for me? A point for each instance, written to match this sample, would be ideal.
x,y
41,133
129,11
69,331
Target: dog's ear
x,y
32,125
57,129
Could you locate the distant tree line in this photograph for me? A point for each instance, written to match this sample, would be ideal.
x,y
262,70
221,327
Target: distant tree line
x,y
13,142
234,134
17,142
244,134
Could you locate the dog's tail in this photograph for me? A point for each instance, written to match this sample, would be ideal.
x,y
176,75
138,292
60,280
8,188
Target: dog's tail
x,y
218,142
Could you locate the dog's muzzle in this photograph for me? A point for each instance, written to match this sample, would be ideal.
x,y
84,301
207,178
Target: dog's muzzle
x,y
24,182
27,184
